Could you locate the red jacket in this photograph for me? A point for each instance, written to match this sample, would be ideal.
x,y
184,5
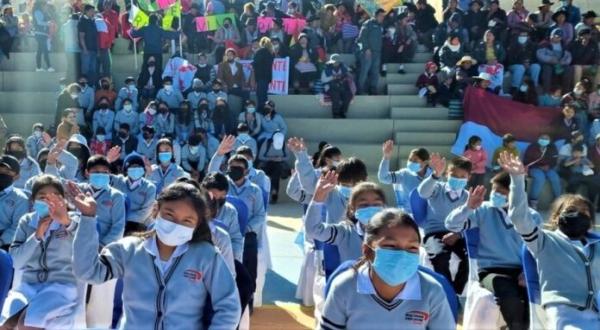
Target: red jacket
x,y
106,39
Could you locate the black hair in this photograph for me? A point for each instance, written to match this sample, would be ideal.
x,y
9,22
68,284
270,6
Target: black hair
x,y
360,189
508,138
153,19
67,112
161,142
215,180
100,130
328,151
167,79
38,125
472,140
97,160
45,180
245,151
149,129
243,127
421,153
462,163
125,126
238,159
502,179
87,8
352,170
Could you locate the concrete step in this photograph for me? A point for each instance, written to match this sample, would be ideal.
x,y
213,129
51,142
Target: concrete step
x,y
404,150
419,61
26,62
425,138
395,78
407,101
349,130
29,103
419,113
309,106
21,123
408,67
46,81
427,125
402,89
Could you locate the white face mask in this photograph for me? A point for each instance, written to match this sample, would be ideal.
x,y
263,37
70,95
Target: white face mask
x,y
172,234
127,107
37,134
152,111
454,48
194,149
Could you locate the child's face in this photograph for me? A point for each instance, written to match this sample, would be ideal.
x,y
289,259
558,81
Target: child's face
x,y
181,212
569,113
577,154
415,159
510,145
333,160
499,189
395,238
99,169
458,173
47,191
165,148
366,199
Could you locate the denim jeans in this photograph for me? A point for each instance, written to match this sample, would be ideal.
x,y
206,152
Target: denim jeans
x,y
89,65
518,71
369,72
539,177
262,90
42,50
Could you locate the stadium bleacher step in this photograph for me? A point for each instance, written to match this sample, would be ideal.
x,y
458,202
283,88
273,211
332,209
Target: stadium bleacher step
x,y
341,131
402,89
425,138
422,125
419,113
396,78
309,106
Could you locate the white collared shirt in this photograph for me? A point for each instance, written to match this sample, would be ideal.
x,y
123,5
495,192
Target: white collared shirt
x,y
453,193
163,265
411,291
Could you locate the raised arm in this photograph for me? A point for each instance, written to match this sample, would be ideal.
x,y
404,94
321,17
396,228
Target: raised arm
x,y
225,147
466,216
427,188
304,168
383,174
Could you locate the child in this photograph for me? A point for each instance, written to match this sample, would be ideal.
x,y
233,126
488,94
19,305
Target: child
x,y
104,117
251,119
407,179
14,203
170,96
128,92
567,123
147,144
385,286
428,84
273,160
202,118
184,125
165,171
366,200
175,261
42,250
100,144
257,176
551,99
478,157
148,116
541,159
193,157
78,147
509,144
214,94
127,115
28,167
499,257
139,191
564,255
244,139
442,198
164,121
35,142
196,93
579,172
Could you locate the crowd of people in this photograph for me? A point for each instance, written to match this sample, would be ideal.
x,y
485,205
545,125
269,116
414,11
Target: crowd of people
x,y
154,196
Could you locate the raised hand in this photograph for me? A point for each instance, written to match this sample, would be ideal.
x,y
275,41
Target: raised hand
x,y
226,145
58,209
53,155
43,225
325,185
511,163
388,149
450,239
147,166
438,164
113,154
85,203
296,145
476,197
46,138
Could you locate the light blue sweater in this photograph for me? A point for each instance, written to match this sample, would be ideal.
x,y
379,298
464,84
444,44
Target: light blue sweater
x,y
403,181
29,169
198,157
439,204
227,218
14,203
173,98
126,93
130,118
162,179
139,200
34,145
110,213
146,149
105,120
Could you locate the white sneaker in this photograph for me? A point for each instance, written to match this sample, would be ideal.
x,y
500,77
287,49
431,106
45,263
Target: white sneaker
x,y
51,69
39,70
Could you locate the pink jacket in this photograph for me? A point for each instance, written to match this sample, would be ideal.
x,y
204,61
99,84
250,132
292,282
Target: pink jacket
x,y
479,160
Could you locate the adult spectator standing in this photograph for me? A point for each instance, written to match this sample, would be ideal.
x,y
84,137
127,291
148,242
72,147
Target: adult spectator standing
x,y
263,70
71,45
41,24
153,36
106,39
555,61
475,21
451,9
335,81
425,23
88,41
370,40
521,60
573,12
586,55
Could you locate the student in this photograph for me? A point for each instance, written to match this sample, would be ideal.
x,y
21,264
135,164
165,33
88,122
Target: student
x,y
111,213
164,121
104,117
541,159
165,171
36,142
407,179
148,116
273,158
147,144
564,255
202,118
226,215
58,162
442,198
384,289
14,203
42,249
499,256
272,122
579,171
255,175
128,92
428,83
169,95
175,261
244,139
196,93
509,144
194,158
99,144
476,154
251,118
28,167
127,115
366,200
124,139
215,93
139,192
184,126
78,147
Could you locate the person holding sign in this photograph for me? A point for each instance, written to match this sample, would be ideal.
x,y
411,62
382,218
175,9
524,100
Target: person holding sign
x,y
153,36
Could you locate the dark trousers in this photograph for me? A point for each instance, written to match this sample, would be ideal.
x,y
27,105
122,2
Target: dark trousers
x,y
591,182
340,99
245,285
476,179
262,89
441,261
250,257
564,79
42,50
157,57
510,296
73,66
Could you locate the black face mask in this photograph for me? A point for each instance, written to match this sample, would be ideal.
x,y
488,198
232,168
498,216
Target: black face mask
x,y
235,173
18,154
76,152
574,224
123,135
5,181
42,164
220,202
105,86
148,136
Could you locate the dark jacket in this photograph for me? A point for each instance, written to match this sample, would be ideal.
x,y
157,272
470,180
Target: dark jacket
x,y
128,147
145,76
479,52
65,101
425,19
519,54
584,54
371,36
448,57
153,36
263,65
534,152
475,19
296,53
425,80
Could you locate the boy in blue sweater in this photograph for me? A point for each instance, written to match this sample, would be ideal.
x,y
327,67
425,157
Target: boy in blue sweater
x,y
499,248
442,198
169,95
14,203
28,167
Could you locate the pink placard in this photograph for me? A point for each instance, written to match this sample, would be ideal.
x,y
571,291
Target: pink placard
x,y
292,26
162,4
264,24
201,25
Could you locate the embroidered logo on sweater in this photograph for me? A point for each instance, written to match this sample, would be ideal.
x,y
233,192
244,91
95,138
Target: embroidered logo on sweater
x,y
193,275
416,317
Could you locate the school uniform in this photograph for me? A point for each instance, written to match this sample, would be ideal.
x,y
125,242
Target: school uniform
x,y
222,242
69,165
193,160
441,200
29,169
569,289
272,124
195,97
173,98
127,93
227,218
295,192
104,119
34,145
353,303
110,212
403,181
139,195
160,294
129,118
146,119
147,148
48,288
246,141
14,203
164,124
163,178
212,97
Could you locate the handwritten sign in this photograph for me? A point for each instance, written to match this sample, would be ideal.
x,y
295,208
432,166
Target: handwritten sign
x,y
293,26
213,22
281,73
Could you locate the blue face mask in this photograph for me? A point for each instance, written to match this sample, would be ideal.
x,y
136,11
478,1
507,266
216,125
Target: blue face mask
x,y
364,215
250,164
457,184
344,191
41,208
543,142
165,157
413,166
99,180
498,200
243,136
135,173
395,267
